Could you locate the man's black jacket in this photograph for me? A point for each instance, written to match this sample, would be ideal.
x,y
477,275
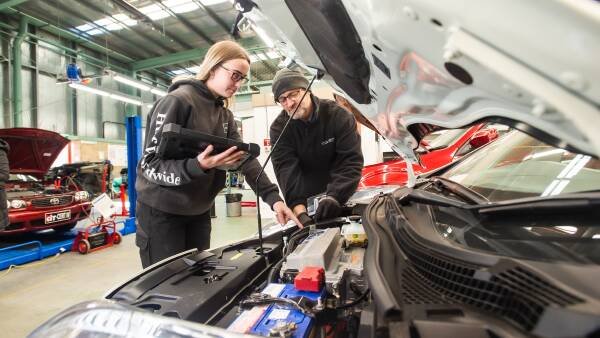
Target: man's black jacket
x,y
322,154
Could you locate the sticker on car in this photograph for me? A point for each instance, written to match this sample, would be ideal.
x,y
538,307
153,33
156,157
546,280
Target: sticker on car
x,y
58,216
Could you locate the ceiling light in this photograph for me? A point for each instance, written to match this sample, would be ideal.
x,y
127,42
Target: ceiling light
x,y
158,92
88,89
125,99
132,83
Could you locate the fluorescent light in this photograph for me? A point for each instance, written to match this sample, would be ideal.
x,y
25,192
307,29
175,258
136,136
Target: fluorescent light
x,y
577,167
88,89
132,83
158,92
125,99
567,228
149,105
545,153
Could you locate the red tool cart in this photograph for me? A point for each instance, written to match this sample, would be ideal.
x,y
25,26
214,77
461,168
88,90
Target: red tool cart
x,y
96,236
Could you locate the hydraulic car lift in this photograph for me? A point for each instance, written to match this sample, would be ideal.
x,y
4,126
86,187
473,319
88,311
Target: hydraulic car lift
x,y
48,244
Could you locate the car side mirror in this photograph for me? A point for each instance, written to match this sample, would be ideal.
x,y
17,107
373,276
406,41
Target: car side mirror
x,y
483,137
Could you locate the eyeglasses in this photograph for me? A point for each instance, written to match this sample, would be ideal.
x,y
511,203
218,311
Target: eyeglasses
x,y
291,96
235,75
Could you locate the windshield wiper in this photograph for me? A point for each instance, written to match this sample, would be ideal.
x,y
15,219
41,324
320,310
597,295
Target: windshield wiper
x,y
582,207
584,203
430,198
458,189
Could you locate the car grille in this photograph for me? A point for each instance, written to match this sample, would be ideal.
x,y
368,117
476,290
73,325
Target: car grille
x,y
51,201
512,292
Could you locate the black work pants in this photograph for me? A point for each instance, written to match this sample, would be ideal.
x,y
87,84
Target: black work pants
x,y
160,235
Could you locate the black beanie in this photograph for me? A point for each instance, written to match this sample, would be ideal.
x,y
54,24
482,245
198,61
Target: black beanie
x,y
287,79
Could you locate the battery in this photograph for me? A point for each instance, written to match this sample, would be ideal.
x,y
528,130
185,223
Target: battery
x,y
278,317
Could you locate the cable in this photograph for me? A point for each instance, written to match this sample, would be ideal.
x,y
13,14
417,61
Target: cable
x,y
262,299
354,302
30,265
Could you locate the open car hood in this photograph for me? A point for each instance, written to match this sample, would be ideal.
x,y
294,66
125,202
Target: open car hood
x,y
417,66
32,151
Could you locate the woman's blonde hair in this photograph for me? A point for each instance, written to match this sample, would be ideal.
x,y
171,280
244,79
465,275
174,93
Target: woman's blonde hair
x,y
218,53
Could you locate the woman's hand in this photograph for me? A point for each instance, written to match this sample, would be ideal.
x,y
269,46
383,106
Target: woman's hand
x,y
228,157
284,214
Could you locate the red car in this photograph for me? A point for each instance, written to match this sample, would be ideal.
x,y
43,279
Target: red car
x,y
436,151
34,204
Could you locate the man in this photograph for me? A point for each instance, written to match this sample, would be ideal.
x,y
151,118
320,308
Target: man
x,y
318,153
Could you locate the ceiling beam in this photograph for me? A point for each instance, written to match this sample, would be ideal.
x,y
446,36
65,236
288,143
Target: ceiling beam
x,y
78,15
10,3
213,16
190,54
185,22
143,17
77,38
135,29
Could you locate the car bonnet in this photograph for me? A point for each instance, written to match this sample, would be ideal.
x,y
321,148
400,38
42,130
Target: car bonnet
x,y
32,151
412,67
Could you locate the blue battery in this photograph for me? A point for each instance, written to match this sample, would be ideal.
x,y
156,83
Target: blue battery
x,y
277,314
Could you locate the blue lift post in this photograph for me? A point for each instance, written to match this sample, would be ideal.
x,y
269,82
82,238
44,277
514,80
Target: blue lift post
x,y
133,125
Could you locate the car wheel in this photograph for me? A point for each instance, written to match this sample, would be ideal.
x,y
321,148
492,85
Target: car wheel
x,y
117,237
83,246
65,228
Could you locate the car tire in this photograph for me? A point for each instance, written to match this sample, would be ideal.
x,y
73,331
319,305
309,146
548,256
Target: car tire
x,y
83,246
117,237
65,228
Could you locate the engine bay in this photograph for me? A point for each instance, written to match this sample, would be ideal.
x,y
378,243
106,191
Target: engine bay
x,y
310,284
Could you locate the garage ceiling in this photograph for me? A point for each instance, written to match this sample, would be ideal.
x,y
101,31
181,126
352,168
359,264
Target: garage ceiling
x,y
170,36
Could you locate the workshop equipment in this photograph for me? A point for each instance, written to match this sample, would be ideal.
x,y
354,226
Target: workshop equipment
x,y
96,236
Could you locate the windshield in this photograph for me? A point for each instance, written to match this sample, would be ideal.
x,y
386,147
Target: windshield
x,y
443,138
519,166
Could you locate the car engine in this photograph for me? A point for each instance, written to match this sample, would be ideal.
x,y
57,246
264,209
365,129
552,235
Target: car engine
x,y
312,285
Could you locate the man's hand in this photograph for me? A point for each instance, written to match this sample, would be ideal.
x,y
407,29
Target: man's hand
x,y
284,214
328,208
228,157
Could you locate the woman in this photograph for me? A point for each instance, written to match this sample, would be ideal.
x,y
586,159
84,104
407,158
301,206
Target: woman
x,y
175,196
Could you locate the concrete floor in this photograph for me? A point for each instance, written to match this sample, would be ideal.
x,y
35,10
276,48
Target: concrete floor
x,y
34,292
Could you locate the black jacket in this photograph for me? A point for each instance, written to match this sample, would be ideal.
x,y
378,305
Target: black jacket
x,y
320,155
181,187
4,176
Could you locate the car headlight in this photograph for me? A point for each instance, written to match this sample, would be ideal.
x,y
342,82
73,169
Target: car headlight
x,y
82,196
18,204
8,204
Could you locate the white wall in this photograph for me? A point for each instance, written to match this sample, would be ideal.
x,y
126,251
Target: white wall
x,y
370,146
255,130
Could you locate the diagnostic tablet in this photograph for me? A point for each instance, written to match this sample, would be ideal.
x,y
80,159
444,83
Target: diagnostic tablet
x,y
180,143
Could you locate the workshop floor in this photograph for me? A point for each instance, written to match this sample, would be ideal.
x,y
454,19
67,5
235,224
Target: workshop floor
x,y
32,293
